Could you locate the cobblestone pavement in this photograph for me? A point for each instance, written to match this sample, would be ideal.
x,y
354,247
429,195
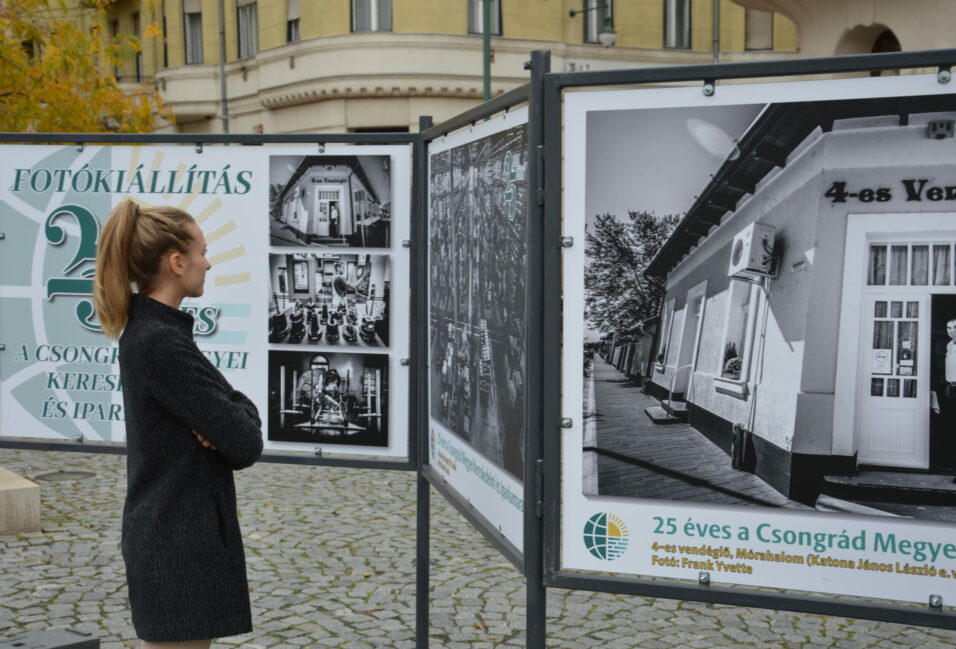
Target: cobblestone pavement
x,y
636,457
331,556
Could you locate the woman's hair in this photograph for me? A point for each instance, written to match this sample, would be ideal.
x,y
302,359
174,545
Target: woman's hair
x,y
129,252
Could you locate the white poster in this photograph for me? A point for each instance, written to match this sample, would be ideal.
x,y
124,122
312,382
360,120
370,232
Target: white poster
x,y
733,416
292,310
477,323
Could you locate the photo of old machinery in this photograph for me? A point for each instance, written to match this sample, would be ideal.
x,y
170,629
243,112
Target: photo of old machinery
x,y
328,398
330,201
329,299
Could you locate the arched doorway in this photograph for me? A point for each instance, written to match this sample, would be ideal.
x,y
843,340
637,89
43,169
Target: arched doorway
x,y
869,39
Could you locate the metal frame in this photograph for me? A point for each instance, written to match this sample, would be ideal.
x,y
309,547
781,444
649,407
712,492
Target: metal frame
x,y
208,138
409,463
503,102
528,560
554,576
539,559
419,407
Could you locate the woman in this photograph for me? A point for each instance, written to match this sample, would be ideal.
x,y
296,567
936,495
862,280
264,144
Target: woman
x,y
186,431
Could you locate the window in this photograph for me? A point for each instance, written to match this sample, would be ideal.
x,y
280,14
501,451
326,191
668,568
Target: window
x,y
476,15
292,33
192,25
758,30
30,48
597,15
248,15
371,15
138,61
165,45
735,361
916,264
114,32
677,24
667,323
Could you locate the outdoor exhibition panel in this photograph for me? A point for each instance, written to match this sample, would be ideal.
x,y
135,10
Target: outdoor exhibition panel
x,y
306,308
757,281
477,301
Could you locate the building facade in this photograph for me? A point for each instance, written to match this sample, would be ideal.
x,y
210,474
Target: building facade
x,y
836,358
377,65
865,26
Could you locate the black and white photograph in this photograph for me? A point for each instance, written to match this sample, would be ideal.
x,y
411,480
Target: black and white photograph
x,y
330,201
770,305
329,299
477,288
328,398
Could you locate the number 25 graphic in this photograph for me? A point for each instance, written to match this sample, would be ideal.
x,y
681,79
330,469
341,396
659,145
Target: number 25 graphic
x,y
79,283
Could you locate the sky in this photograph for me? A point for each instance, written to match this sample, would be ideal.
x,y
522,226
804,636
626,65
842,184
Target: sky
x,y
657,159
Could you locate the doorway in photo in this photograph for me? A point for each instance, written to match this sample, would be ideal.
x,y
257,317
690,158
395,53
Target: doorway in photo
x,y
942,427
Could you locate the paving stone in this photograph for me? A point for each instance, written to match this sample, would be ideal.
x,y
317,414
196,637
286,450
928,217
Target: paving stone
x,y
331,556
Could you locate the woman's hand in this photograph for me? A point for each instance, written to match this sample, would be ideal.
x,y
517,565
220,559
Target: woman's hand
x,y
205,442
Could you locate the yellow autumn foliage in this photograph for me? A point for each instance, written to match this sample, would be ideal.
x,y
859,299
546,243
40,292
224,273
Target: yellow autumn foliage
x,y
55,76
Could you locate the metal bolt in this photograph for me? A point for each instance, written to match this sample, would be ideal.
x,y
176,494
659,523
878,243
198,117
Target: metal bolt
x,y
406,243
403,362
321,148
198,147
3,347
709,89
703,578
78,438
2,236
566,422
944,76
317,451
567,242
935,601
79,147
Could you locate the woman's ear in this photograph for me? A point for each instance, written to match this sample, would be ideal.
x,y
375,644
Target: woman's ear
x,y
174,262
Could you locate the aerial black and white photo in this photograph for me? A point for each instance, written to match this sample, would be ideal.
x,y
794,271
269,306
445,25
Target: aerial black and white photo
x,y
478,288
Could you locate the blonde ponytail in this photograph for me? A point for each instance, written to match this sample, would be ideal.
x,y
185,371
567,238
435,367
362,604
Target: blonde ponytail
x,y
129,252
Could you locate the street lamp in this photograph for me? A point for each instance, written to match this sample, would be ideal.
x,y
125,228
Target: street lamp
x,y
607,35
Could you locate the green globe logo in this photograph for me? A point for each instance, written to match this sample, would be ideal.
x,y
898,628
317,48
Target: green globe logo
x,y
606,536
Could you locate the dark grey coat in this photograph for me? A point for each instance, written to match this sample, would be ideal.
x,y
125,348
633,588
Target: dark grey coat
x,y
181,541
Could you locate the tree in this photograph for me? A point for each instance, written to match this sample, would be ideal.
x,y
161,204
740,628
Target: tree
x,y
618,293
55,75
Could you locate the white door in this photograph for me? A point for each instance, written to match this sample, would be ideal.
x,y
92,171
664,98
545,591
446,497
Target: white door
x,y
894,386
324,195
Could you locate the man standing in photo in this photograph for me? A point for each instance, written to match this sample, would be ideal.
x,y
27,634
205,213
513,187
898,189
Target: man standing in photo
x,y
333,219
943,400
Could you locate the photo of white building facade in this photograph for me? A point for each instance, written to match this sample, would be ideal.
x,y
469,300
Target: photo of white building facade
x,y
808,290
331,201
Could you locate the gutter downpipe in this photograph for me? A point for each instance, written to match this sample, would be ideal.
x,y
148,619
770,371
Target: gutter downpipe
x,y
222,70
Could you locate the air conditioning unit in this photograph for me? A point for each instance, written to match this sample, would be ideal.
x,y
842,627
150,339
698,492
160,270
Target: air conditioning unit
x,y
751,256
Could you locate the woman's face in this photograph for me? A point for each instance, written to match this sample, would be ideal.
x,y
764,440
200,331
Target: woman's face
x,y
195,263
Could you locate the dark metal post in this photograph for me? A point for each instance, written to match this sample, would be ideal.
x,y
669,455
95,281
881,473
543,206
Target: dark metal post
x,y
486,49
551,337
419,375
535,621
